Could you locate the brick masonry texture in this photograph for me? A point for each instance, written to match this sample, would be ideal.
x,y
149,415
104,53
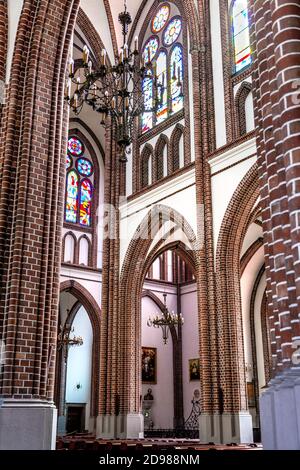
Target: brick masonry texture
x,y
34,130
275,35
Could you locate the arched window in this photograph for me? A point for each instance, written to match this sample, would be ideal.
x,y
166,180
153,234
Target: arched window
x,y
240,34
79,185
165,52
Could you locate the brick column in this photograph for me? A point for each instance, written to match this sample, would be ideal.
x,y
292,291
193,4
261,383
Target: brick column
x,y
31,207
275,25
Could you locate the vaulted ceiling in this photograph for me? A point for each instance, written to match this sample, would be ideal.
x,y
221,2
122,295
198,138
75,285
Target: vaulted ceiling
x,y
104,16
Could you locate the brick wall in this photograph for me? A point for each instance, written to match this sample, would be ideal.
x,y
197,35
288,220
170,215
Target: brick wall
x,y
275,26
31,202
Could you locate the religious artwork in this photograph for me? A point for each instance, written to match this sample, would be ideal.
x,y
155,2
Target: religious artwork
x,y
251,394
85,203
79,189
149,395
161,18
176,65
173,31
75,147
68,162
161,73
72,197
84,167
164,50
149,358
194,369
150,49
241,34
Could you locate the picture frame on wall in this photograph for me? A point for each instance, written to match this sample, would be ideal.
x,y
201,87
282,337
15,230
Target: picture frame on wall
x,y
149,365
251,394
194,369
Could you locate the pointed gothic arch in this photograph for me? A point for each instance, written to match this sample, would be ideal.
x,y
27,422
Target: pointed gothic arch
x,y
136,264
231,236
161,144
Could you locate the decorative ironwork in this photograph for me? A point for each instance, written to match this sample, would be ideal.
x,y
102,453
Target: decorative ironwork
x,y
65,340
115,91
166,320
192,422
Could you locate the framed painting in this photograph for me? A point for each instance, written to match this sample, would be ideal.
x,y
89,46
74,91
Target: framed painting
x,y
194,369
251,394
149,365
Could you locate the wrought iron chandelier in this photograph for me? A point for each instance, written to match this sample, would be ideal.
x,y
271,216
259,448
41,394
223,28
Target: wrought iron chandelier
x,y
165,321
115,91
65,339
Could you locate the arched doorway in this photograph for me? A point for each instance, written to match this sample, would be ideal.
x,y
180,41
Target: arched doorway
x,y
170,282
77,367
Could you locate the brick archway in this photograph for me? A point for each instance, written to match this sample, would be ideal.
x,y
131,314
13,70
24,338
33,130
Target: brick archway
x,y
231,350
94,312
136,264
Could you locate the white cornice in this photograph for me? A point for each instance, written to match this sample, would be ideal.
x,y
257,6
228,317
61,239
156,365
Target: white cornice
x,y
233,156
158,194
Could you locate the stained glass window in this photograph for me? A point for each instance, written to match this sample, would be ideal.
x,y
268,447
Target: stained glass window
x,y
79,189
173,31
176,72
85,202
84,167
241,34
151,49
147,117
163,48
72,197
75,147
160,18
68,162
161,72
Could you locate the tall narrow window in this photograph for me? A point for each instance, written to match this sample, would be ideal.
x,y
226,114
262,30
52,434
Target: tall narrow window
x,y
176,71
72,197
163,48
241,34
161,71
79,187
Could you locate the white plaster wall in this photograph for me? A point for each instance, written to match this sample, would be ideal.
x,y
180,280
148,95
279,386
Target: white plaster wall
x,y
249,112
258,334
91,280
178,194
163,405
14,8
95,10
228,169
253,233
190,342
69,249
218,73
79,366
247,283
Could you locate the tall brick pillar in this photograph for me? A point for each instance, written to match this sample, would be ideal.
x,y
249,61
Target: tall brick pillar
x,y
31,206
276,30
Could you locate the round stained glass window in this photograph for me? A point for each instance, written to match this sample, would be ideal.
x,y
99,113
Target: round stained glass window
x,y
68,162
75,147
173,31
151,48
84,167
160,18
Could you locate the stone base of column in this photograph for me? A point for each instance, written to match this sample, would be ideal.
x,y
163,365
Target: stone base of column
x,y
210,428
280,412
130,426
27,425
61,425
226,428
